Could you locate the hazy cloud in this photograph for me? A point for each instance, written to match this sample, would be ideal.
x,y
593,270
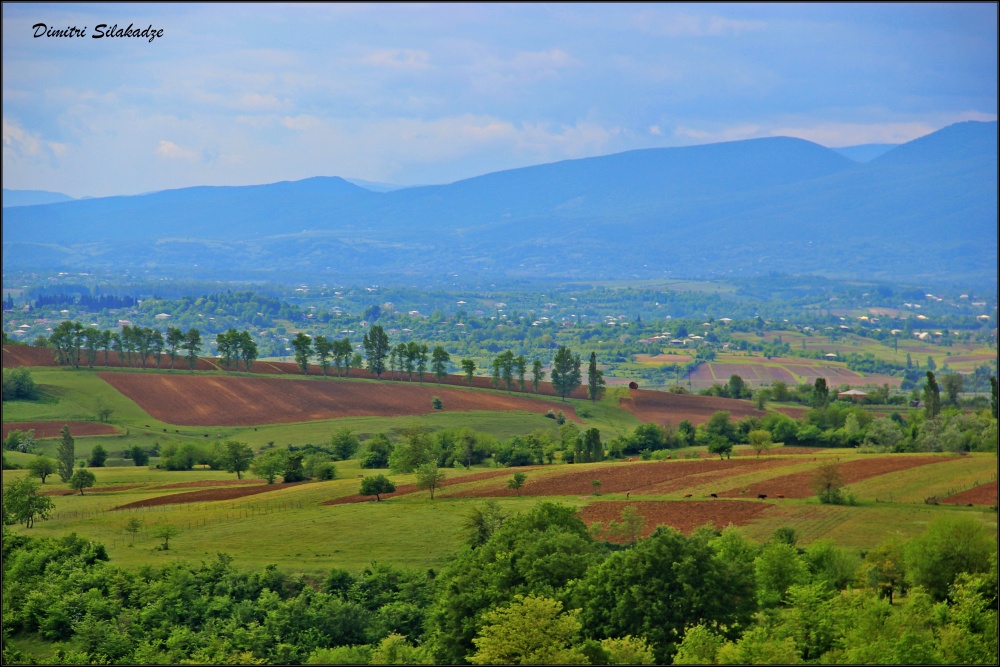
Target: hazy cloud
x,y
171,150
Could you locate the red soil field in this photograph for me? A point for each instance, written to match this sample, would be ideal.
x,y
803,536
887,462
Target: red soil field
x,y
682,515
402,489
799,485
208,482
662,407
199,400
984,494
51,429
208,495
639,478
22,355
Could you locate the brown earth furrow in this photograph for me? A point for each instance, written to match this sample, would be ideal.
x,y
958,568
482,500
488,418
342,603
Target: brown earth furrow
x,y
52,429
800,485
209,482
984,494
208,495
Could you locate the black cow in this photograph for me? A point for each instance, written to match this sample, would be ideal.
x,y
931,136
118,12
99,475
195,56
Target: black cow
x,y
761,496
714,495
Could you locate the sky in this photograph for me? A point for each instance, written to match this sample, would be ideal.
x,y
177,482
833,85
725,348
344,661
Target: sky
x,y
426,94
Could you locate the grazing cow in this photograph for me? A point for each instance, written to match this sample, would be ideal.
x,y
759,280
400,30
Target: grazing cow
x,y
687,495
780,496
714,495
627,494
761,496
630,460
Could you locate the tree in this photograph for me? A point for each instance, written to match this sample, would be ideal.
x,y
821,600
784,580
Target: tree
x,y
22,502
165,531
139,455
595,379
993,395
376,345
760,441
192,345
468,367
105,343
344,443
932,396
482,521
302,345
42,467
247,349
81,479
376,486
531,631
537,374
827,482
293,471
437,403
429,477
377,451
92,340
235,457
342,351
324,349
175,338
884,569
18,384
103,409
565,372
737,388
720,446
517,481
439,359
820,393
66,454
951,545
506,362
952,387
421,361
98,455
269,465
521,365
132,527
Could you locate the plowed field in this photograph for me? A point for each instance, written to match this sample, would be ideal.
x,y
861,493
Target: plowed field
x,y
799,485
22,355
193,400
639,478
984,494
51,429
682,515
94,489
208,495
402,489
662,407
209,482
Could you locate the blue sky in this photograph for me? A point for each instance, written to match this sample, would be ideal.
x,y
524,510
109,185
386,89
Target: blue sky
x,y
234,95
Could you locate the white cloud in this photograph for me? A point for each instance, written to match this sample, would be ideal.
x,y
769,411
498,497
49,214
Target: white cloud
x,y
171,150
688,25
655,130
405,59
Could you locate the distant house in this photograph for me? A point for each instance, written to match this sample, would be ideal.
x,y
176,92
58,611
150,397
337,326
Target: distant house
x,y
853,394
162,316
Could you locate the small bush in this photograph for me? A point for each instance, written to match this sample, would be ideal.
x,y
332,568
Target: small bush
x,y
437,403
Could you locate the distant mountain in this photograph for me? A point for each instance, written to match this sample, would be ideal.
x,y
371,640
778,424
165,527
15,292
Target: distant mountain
x,y
927,208
865,152
376,186
32,197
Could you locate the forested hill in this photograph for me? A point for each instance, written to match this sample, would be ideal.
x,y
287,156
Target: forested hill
x,y
927,208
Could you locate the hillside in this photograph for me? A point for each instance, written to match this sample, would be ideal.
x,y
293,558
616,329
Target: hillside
x,y
925,208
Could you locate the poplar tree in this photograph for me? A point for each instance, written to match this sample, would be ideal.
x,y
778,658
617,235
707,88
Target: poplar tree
x,y
565,372
595,379
66,454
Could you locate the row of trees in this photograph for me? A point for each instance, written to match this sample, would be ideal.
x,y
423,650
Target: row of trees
x,y
71,339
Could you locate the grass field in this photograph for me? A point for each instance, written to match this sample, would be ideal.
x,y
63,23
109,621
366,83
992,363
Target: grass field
x,y
292,528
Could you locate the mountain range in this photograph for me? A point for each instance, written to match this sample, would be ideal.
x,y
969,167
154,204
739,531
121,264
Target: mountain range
x,y
924,209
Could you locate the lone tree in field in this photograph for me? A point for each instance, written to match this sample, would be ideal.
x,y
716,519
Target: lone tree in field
x,y
429,477
376,486
103,409
81,479
269,465
469,368
235,457
302,345
827,481
517,481
139,455
165,532
98,455
760,441
595,379
132,527
820,393
66,454
376,345
42,467
565,372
